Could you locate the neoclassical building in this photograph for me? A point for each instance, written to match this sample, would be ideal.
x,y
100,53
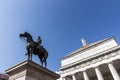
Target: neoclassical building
x,y
96,61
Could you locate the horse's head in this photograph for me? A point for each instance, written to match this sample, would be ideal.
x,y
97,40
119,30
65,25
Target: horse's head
x,y
27,36
23,35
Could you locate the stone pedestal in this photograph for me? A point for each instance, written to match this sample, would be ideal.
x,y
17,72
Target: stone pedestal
x,y
29,70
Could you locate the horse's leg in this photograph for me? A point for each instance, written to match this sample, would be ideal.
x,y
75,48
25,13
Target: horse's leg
x,y
45,63
45,58
30,54
41,62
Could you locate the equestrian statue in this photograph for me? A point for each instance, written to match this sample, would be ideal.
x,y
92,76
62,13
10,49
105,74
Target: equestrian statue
x,y
35,48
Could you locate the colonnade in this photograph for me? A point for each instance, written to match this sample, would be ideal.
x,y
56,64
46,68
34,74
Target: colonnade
x,y
99,75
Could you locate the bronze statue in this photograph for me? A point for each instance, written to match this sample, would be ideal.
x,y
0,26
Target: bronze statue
x,y
35,48
39,41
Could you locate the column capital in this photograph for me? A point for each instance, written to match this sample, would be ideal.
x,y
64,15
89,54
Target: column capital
x,y
84,70
73,74
110,62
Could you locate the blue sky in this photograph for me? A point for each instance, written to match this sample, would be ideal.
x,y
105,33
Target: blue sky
x,y
60,23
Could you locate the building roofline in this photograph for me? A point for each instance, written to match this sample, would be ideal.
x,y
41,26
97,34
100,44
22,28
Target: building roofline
x,y
88,46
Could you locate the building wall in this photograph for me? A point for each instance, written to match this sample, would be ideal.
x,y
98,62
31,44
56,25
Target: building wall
x,y
4,77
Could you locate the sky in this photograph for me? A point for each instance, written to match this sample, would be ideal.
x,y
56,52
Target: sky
x,y
61,24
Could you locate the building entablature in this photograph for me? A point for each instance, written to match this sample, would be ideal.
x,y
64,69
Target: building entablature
x,y
109,51
103,58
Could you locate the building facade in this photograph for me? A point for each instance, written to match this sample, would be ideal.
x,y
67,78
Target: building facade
x,y
4,76
96,61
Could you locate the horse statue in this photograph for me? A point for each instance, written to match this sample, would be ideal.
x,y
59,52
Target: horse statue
x,y
35,48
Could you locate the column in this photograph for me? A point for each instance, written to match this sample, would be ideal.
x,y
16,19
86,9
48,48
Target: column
x,y
99,74
85,76
113,72
63,78
73,77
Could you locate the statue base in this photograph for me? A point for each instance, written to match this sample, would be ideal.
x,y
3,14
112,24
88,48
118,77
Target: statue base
x,y
29,70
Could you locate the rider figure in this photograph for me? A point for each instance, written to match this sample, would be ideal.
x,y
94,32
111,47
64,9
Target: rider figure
x,y
39,41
